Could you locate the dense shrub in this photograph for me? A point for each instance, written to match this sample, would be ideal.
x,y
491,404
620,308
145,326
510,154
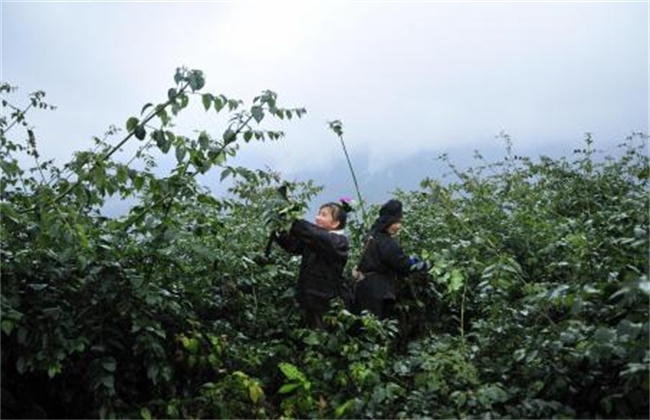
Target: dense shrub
x,y
536,305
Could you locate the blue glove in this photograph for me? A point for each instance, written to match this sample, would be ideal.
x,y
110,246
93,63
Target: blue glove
x,y
416,264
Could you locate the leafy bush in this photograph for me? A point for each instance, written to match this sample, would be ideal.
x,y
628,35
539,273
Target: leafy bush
x,y
536,305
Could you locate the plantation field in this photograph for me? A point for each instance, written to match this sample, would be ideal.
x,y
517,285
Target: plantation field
x,y
536,305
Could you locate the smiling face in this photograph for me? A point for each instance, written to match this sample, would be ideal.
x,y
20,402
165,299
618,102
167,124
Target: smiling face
x,y
325,219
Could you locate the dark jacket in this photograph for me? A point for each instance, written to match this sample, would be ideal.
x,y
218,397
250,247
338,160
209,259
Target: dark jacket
x,y
324,255
382,263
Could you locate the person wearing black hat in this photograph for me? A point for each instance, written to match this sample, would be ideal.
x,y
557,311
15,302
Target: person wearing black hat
x,y
383,262
324,250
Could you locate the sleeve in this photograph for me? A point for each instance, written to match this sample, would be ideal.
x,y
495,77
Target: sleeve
x,y
320,240
394,256
289,242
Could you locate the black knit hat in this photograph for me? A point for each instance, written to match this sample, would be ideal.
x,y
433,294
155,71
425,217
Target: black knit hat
x,y
389,213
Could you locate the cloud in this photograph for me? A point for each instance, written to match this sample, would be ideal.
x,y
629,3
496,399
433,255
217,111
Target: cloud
x,y
405,78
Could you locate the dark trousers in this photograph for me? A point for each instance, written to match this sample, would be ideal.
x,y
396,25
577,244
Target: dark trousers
x,y
374,294
382,308
314,307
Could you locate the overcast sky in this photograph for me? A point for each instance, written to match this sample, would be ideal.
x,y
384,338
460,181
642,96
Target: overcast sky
x,y
407,79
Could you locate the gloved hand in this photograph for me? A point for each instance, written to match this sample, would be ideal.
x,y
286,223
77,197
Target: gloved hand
x,y
416,264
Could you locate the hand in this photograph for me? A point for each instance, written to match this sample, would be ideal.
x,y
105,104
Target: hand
x,y
279,235
416,264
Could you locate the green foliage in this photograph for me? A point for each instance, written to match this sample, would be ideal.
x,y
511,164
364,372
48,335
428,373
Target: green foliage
x,y
551,263
536,305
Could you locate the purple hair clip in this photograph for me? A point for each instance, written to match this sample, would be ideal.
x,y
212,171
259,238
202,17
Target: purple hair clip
x,y
346,204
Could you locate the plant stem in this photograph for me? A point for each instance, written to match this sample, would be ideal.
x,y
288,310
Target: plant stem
x,y
171,193
116,148
354,178
462,312
18,117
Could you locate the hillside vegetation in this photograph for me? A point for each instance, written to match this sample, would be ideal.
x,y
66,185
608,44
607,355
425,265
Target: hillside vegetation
x,y
536,305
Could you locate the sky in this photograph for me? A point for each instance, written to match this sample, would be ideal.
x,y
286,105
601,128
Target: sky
x,y
410,80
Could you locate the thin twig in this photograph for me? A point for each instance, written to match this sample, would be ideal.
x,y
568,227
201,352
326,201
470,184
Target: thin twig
x,y
114,149
354,176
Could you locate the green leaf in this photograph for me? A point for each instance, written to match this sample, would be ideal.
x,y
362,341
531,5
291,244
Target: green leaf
x,y
145,413
131,124
604,335
276,135
311,339
455,280
163,140
255,392
158,136
196,79
170,136
82,234
181,151
204,140
165,146
140,132
229,136
207,99
225,173
343,408
337,127
178,76
258,113
109,364
184,100
233,104
519,355
7,211
108,381
53,369
7,326
495,393
164,117
291,371
122,174
171,94
219,103
138,182
287,388
190,344
144,108
217,158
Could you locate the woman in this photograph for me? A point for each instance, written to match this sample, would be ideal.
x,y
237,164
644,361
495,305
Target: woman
x,y
383,262
324,250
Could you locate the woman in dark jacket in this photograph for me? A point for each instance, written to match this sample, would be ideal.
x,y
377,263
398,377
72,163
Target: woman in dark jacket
x,y
324,251
383,262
